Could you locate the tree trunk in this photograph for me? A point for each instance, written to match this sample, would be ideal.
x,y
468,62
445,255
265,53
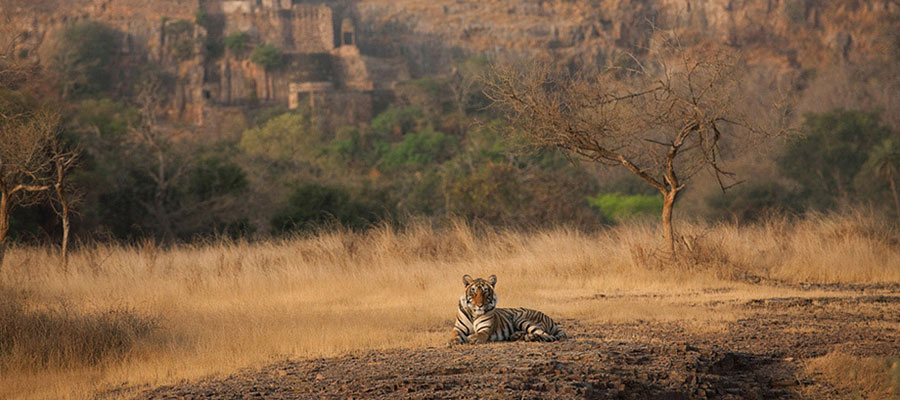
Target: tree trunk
x,y
894,192
4,225
668,230
266,78
64,216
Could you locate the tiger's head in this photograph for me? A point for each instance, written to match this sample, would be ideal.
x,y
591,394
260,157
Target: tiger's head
x,y
480,296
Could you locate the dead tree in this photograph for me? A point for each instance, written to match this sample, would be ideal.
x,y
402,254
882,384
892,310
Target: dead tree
x,y
664,119
26,160
166,167
63,161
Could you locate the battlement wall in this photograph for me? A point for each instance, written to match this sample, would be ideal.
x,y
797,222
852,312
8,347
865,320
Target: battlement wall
x,y
298,29
313,29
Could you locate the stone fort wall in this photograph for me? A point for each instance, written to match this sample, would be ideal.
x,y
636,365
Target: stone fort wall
x,y
296,29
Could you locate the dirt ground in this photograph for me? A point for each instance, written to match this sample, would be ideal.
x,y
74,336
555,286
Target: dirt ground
x,y
759,355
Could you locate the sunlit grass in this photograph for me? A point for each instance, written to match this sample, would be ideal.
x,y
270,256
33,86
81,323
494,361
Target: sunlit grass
x,y
219,307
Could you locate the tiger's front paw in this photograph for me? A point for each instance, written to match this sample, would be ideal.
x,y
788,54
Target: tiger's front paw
x,y
478,338
455,340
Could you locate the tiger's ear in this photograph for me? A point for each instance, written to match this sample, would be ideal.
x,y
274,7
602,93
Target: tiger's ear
x,y
493,280
467,280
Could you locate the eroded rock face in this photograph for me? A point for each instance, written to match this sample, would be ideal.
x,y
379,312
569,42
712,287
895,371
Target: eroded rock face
x,y
791,35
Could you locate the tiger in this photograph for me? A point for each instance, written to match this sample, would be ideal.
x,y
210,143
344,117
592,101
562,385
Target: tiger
x,y
479,321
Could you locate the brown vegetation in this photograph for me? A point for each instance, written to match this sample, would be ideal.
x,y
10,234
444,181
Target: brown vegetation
x,y
218,307
863,377
665,122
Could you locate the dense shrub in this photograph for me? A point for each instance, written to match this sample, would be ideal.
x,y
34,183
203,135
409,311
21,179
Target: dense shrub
x,y
397,121
313,206
215,176
84,58
752,202
237,42
826,159
288,138
267,56
418,150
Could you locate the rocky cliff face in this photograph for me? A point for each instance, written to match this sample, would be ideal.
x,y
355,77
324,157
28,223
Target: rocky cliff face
x,y
808,31
789,36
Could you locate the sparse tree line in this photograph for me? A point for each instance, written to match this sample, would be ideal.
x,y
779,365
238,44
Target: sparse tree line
x,y
85,149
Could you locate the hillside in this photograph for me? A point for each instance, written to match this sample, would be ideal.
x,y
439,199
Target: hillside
x,y
790,40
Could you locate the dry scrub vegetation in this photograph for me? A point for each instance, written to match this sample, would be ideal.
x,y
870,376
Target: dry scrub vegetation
x,y
866,377
138,315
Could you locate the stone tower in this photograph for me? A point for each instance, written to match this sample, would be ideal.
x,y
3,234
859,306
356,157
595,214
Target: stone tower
x,y
348,33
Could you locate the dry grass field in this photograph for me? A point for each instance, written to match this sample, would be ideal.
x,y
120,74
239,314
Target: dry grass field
x,y
135,317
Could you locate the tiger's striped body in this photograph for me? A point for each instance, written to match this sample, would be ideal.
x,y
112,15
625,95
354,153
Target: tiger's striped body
x,y
479,321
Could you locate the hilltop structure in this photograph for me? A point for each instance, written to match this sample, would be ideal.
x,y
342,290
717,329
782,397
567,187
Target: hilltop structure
x,y
322,66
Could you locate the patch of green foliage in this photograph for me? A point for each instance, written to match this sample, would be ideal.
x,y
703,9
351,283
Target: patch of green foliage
x,y
831,153
179,27
201,17
397,121
619,207
84,59
214,175
289,138
312,206
418,150
752,202
237,42
267,56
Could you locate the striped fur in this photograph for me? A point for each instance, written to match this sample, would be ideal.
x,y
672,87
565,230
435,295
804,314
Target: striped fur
x,y
479,321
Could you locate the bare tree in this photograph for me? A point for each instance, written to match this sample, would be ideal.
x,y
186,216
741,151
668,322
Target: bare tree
x,y
167,166
664,120
27,161
168,157
63,161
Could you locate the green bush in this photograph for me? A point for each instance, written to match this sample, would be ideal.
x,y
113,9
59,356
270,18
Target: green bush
x,y
826,159
751,202
201,17
354,148
84,59
314,206
237,42
180,27
267,56
288,138
489,191
397,121
418,150
619,207
215,176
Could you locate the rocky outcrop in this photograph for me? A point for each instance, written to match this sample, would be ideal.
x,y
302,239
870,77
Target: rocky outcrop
x,y
788,36
812,31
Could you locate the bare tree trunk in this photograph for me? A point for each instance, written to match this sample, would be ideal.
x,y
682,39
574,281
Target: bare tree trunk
x,y
894,192
266,78
668,230
64,253
4,225
64,215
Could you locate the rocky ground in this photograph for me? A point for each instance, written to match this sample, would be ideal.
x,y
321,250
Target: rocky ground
x,y
760,355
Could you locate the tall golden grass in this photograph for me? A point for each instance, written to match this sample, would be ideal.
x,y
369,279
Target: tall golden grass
x,y
187,311
861,377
